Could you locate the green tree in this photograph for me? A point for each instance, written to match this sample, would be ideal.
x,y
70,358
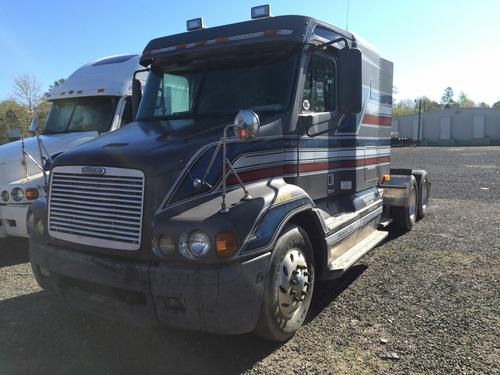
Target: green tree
x,y
42,112
464,101
496,105
429,104
483,105
404,107
12,116
447,100
60,81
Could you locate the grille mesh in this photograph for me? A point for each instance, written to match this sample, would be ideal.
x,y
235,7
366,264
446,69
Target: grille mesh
x,y
97,210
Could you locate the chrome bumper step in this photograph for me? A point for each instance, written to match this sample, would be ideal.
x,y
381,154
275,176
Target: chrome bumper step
x,y
346,260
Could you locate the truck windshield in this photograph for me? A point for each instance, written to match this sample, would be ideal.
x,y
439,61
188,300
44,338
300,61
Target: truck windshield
x,y
92,113
220,86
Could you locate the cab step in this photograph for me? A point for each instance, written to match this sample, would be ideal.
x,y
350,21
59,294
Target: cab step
x,y
346,260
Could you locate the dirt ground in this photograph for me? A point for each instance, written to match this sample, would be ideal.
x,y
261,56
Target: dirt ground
x,y
422,302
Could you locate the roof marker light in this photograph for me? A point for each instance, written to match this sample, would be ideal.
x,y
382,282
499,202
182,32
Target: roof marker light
x,y
100,90
195,24
261,11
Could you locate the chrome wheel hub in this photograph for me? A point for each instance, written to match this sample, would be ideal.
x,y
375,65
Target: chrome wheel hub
x,y
294,282
413,204
425,195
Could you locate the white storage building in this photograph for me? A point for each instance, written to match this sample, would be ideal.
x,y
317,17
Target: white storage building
x,y
453,126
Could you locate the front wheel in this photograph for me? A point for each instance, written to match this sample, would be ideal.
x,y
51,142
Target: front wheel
x,y
288,286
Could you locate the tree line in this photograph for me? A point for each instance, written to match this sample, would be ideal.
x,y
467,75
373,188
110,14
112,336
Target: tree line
x,y
448,100
26,101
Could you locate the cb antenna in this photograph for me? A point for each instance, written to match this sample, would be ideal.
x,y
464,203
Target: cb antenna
x,y
347,17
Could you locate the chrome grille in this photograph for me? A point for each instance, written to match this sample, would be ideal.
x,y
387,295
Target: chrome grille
x,y
102,210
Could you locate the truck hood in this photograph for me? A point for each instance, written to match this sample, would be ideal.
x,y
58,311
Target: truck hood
x,y
149,147
11,154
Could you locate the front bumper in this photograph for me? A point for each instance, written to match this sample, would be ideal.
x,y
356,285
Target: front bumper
x,y
13,220
219,299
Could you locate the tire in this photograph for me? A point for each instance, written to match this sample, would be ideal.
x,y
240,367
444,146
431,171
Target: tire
x,y
405,217
279,317
423,186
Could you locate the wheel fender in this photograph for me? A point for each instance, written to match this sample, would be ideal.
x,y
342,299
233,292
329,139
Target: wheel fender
x,y
396,192
290,201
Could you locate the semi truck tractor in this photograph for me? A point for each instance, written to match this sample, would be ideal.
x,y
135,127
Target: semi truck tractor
x,y
94,100
258,164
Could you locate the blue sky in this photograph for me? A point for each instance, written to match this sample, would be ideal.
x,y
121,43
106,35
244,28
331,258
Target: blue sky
x,y
433,43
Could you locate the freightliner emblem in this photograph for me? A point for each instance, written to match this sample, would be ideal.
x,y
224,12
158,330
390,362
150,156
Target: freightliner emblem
x,y
99,171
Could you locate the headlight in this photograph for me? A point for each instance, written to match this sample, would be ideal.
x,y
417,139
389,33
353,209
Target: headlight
x,y
164,246
5,195
17,194
194,245
32,194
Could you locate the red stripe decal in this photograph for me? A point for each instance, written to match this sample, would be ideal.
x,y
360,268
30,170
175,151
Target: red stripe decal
x,y
259,174
377,120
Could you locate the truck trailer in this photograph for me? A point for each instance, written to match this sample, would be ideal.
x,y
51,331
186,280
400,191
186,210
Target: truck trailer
x,y
258,164
94,100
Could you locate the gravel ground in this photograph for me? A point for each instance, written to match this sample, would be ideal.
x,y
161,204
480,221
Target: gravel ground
x,y
423,302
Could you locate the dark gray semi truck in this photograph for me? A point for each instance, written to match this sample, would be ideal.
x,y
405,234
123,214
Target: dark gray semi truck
x,y
258,164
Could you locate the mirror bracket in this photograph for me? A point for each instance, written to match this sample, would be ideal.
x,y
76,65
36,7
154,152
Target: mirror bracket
x,y
137,91
331,42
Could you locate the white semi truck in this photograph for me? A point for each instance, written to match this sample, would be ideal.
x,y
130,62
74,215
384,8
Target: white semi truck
x,y
94,100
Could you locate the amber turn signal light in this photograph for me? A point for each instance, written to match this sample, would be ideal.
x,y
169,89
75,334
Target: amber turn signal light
x,y
386,178
226,244
32,194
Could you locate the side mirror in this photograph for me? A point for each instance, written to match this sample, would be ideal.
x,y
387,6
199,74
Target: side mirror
x,y
136,96
246,125
13,135
349,66
33,127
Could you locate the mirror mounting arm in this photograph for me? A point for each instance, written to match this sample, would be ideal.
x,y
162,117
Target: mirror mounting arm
x,y
329,43
137,91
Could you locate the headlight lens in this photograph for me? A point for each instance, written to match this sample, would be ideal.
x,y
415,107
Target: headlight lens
x,y
5,195
32,194
226,244
164,246
195,244
17,194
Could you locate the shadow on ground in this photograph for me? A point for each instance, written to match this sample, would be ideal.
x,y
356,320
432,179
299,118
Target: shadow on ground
x,y
13,252
40,334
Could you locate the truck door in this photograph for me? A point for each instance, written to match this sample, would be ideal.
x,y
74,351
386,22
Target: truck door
x,y
318,99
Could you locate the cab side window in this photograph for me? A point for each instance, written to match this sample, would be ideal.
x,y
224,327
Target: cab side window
x,y
127,112
319,88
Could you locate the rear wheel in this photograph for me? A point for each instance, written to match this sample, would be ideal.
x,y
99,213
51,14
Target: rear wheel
x,y
288,286
423,185
405,217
